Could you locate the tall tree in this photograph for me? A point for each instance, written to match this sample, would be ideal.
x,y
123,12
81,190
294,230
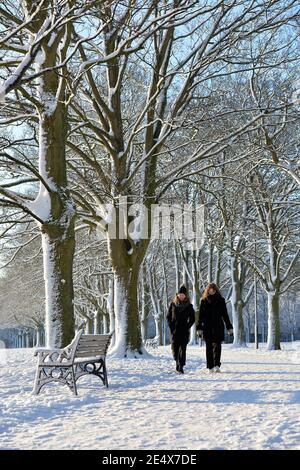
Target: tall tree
x,y
128,134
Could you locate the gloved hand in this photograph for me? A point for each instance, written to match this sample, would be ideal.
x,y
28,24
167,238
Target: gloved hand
x,y
230,332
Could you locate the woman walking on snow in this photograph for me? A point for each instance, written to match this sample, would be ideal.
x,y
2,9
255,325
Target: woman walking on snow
x,y
180,317
212,316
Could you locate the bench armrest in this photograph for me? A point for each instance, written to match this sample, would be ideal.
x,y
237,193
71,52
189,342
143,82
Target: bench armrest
x,y
54,355
45,350
48,356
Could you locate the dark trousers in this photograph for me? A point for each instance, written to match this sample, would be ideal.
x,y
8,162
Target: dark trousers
x,y
213,354
179,352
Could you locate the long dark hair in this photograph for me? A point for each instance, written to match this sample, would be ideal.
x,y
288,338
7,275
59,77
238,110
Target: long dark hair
x,y
211,285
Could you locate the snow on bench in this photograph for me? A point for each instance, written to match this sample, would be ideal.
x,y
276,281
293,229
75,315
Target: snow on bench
x,y
85,355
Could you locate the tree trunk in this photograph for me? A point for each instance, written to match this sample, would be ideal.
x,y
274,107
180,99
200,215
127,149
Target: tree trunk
x,y
238,323
144,326
195,298
177,270
218,268
54,205
144,310
273,341
89,326
126,266
105,324
165,303
185,276
157,311
237,305
38,340
128,342
27,339
158,329
210,264
58,253
97,322
111,308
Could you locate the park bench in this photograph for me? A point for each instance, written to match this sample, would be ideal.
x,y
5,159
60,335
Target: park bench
x,y
86,354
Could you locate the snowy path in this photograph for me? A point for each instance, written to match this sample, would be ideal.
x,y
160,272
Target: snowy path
x,y
253,404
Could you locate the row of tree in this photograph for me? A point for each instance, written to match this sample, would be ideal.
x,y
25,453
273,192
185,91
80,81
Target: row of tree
x,y
157,102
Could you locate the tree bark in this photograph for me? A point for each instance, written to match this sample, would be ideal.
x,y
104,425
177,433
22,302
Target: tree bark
x,y
273,341
158,329
89,326
195,298
237,304
105,324
58,253
177,270
126,267
111,308
97,322
58,236
128,341
144,309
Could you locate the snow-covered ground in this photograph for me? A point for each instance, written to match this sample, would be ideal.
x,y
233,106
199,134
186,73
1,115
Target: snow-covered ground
x,y
253,404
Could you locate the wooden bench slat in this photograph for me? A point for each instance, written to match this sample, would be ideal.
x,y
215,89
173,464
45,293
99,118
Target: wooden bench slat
x,y
92,345
83,347
92,348
88,350
89,354
94,341
94,338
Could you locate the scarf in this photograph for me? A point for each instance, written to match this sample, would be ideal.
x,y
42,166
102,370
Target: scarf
x,y
182,305
214,298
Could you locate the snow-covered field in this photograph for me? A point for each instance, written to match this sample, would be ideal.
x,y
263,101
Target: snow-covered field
x,y
253,404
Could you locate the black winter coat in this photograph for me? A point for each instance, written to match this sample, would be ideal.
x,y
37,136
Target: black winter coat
x,y
212,316
180,318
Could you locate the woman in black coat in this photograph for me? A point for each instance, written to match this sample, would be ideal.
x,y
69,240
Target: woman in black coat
x,y
180,317
212,316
